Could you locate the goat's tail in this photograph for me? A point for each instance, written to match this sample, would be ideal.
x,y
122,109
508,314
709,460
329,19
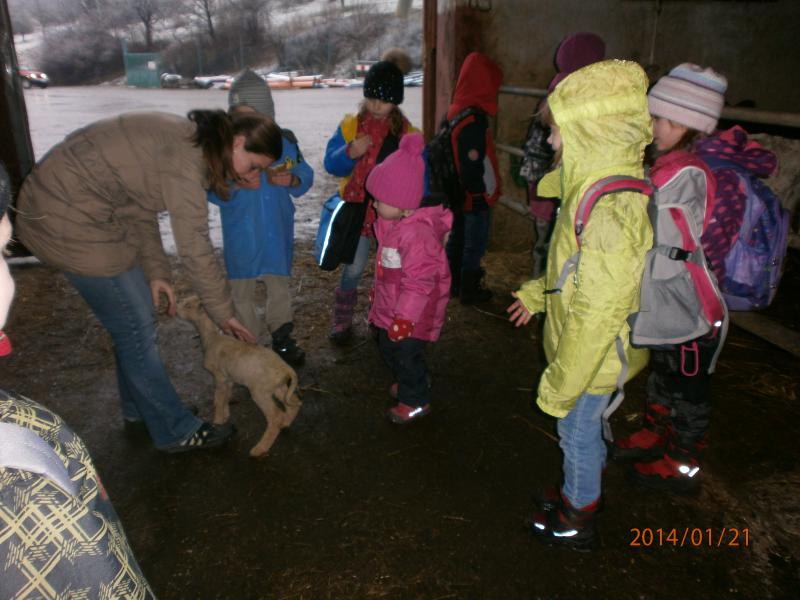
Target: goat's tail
x,y
292,398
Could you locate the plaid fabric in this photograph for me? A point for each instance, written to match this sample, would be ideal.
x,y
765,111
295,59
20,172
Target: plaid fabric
x,y
52,544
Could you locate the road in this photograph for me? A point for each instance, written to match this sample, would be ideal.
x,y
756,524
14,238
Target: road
x,y
312,114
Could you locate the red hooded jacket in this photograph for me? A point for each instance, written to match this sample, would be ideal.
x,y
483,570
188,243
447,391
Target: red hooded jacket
x,y
478,83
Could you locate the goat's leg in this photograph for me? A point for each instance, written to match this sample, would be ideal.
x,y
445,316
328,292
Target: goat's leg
x,y
274,418
222,399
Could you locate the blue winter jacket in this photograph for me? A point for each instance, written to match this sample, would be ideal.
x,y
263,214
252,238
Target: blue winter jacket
x,y
258,225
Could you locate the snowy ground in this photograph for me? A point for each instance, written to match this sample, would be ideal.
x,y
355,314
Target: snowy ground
x,y
312,114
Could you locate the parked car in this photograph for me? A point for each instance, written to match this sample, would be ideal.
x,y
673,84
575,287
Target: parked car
x,y
32,77
414,78
175,81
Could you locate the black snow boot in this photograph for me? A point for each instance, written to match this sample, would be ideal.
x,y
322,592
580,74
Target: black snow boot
x,y
472,290
558,523
286,347
650,441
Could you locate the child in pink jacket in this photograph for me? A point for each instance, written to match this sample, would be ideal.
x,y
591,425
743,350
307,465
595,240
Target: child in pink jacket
x,y
412,277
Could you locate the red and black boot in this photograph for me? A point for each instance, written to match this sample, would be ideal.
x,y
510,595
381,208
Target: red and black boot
x,y
558,523
650,441
676,471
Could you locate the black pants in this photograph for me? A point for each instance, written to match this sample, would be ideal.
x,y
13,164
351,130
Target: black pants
x,y
406,359
679,380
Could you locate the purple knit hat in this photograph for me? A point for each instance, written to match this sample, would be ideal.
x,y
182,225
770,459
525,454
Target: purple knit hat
x,y
575,52
399,180
691,96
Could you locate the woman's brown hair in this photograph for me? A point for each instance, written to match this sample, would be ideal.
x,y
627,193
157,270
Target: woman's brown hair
x,y
396,119
214,134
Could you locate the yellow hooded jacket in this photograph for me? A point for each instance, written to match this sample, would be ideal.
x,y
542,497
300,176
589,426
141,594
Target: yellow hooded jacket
x,y
605,125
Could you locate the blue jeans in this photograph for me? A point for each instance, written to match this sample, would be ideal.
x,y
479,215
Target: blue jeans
x,y
581,433
468,240
351,274
124,306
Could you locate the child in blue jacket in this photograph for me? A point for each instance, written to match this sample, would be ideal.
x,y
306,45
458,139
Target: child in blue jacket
x,y
258,227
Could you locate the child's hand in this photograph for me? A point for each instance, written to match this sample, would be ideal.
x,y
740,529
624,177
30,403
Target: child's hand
x,y
519,315
400,329
283,178
359,146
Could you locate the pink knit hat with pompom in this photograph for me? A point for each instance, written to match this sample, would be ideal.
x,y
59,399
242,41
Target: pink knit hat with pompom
x,y
399,180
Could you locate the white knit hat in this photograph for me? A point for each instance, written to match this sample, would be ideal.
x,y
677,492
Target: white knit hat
x,y
250,89
690,95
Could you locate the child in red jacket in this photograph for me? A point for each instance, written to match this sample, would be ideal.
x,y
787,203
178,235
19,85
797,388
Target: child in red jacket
x,y
476,162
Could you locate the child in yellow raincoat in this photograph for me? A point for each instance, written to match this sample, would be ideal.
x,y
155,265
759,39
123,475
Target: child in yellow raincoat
x,y
601,121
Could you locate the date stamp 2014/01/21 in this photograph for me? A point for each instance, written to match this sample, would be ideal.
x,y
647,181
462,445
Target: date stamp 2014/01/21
x,y
692,537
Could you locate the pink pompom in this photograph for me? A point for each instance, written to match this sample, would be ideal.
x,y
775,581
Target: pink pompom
x,y
413,143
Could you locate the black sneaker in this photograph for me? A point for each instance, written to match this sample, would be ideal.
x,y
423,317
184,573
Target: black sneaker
x,y
284,345
289,351
207,436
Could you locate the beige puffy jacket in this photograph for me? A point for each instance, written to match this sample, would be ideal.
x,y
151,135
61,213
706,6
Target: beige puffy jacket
x,y
91,205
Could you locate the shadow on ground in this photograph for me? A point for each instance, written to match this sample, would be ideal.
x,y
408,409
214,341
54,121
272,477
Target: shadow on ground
x,y
346,506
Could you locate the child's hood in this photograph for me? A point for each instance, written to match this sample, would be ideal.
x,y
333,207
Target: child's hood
x,y
478,83
734,146
604,121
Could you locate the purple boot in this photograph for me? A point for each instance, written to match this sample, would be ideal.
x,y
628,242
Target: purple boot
x,y
342,326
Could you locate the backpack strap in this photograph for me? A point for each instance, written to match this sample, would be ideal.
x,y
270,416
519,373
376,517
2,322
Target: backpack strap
x,y
592,195
607,185
619,395
460,116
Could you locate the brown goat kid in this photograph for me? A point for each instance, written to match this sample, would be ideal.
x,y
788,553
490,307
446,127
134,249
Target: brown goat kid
x,y
272,383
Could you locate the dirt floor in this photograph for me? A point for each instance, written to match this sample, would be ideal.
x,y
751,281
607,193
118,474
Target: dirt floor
x,y
347,506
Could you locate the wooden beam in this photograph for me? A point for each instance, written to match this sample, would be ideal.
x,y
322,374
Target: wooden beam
x,y
768,330
430,24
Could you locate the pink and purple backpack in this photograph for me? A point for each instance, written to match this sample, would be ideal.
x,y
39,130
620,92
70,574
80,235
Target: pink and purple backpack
x,y
747,238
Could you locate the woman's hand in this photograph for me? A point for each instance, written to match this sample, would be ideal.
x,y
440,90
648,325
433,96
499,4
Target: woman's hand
x,y
359,146
233,327
158,287
519,315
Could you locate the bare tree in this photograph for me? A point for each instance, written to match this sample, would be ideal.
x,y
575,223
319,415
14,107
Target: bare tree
x,y
251,16
148,12
206,11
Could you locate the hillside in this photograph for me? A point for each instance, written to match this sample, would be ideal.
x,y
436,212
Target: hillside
x,y
318,36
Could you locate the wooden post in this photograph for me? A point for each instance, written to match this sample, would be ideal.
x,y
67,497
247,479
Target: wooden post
x,y
429,11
